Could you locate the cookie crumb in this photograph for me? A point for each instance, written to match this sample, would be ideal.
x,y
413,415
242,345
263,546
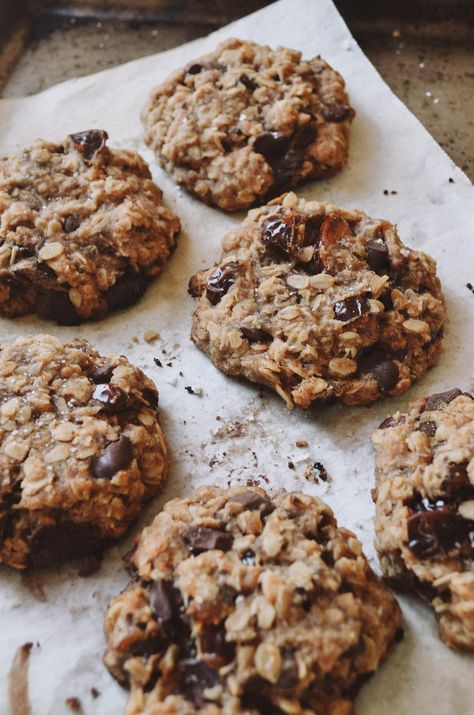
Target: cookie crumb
x,y
74,704
396,34
301,443
316,472
150,336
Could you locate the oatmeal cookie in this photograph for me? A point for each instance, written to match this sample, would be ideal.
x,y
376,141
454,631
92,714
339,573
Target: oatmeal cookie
x,y
81,449
82,229
317,302
425,507
241,604
245,123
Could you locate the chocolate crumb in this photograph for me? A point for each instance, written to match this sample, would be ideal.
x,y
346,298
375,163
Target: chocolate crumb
x,y
451,180
95,693
157,362
470,287
291,465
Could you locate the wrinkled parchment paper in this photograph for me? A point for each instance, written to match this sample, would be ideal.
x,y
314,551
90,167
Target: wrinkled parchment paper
x,y
61,613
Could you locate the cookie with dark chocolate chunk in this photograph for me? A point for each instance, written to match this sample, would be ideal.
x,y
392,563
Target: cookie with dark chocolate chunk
x,y
81,449
243,603
319,302
246,122
425,507
83,229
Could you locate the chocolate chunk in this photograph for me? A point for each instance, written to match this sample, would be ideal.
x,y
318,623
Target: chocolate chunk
x,y
126,289
256,335
90,142
437,530
391,422
56,305
112,398
378,257
458,485
196,678
350,308
151,396
248,83
441,398
220,281
199,539
102,374
284,154
278,234
252,500
213,642
71,222
338,113
166,604
386,299
271,145
116,456
194,69
428,428
24,252
62,541
386,373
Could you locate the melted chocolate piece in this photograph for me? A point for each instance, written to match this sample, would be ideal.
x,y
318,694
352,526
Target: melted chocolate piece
x,y
248,83
386,299
378,256
196,678
112,398
71,222
280,235
166,604
56,305
65,540
284,154
102,374
251,501
126,290
90,142
428,427
435,401
213,642
337,113
194,69
200,538
256,335
116,456
271,145
392,422
434,530
151,396
386,373
220,281
350,308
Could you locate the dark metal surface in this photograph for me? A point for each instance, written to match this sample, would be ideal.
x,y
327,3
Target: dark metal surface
x,y
422,48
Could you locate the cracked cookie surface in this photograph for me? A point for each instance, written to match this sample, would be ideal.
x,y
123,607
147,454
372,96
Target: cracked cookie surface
x,y
317,302
425,507
82,229
81,449
245,123
242,604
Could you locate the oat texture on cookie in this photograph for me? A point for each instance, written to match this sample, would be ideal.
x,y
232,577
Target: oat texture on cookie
x,y
425,507
245,123
82,229
81,449
319,302
243,604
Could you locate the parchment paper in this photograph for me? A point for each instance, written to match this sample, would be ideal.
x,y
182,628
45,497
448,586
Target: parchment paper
x,y
60,612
